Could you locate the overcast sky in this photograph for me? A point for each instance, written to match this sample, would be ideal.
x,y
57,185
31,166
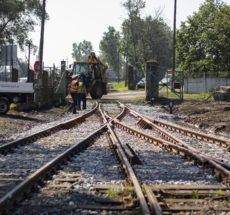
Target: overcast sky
x,y
77,20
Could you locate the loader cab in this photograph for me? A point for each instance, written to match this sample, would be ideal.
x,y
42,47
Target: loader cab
x,y
80,68
91,71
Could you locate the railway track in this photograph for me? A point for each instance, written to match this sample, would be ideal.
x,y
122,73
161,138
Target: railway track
x,y
200,143
115,170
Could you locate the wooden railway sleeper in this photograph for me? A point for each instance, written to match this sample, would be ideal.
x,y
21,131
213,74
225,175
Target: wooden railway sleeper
x,y
37,177
177,141
198,159
187,132
129,170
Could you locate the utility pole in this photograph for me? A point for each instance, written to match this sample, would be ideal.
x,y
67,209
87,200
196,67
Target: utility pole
x,y
174,45
28,68
41,43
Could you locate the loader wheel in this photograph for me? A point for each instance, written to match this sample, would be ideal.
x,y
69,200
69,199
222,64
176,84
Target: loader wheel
x,y
97,91
4,105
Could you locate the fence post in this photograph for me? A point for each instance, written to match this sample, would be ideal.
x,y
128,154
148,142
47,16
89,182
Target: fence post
x,y
152,80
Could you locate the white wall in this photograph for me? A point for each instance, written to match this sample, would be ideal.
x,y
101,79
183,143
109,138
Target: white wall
x,y
204,85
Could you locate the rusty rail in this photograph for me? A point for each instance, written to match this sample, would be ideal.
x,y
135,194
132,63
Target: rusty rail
x,y
46,132
127,166
187,132
20,190
145,123
220,171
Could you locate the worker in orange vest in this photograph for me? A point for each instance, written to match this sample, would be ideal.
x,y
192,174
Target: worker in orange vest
x,y
73,89
82,92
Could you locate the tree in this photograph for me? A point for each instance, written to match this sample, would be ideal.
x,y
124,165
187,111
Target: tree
x,y
203,41
144,39
157,42
133,29
110,48
17,19
82,50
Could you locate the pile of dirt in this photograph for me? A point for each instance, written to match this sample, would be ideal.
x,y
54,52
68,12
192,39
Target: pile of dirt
x,y
213,116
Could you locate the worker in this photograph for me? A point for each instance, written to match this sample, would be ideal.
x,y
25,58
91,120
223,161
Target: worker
x,y
82,93
73,89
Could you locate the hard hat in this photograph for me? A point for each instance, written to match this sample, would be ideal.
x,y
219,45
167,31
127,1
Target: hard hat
x,y
75,76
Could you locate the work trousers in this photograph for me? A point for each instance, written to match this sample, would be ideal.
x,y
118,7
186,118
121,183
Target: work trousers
x,y
75,101
81,97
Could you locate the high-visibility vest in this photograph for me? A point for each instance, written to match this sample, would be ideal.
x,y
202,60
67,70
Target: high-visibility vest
x,y
81,87
73,87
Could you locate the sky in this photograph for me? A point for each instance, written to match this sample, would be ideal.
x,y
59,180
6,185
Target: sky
x,y
77,20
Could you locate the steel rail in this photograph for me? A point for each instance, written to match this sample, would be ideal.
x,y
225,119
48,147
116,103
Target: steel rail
x,y
46,132
170,137
132,156
220,171
127,166
16,194
21,189
189,132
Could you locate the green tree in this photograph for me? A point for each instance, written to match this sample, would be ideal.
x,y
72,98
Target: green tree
x,y
110,48
144,39
132,29
203,41
17,19
82,50
157,42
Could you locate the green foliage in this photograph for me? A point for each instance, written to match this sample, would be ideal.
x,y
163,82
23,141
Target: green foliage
x,y
82,50
141,39
219,193
63,110
208,95
145,39
169,196
195,194
112,192
110,48
17,19
128,188
203,41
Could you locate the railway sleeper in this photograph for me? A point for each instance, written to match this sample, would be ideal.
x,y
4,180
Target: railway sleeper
x,y
37,178
168,199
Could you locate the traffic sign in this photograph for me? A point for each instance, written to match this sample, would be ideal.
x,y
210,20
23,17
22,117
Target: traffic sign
x,y
36,66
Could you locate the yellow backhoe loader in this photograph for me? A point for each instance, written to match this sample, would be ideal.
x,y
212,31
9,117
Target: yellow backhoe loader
x,y
94,72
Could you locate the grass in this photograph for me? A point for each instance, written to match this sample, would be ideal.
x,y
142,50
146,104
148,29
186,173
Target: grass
x,y
138,98
120,87
112,192
163,93
128,188
195,194
200,96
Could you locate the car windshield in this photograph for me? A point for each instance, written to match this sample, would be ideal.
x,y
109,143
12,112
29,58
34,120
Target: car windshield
x,y
142,80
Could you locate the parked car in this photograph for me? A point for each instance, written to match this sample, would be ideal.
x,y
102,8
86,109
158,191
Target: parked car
x,y
166,81
141,83
22,80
